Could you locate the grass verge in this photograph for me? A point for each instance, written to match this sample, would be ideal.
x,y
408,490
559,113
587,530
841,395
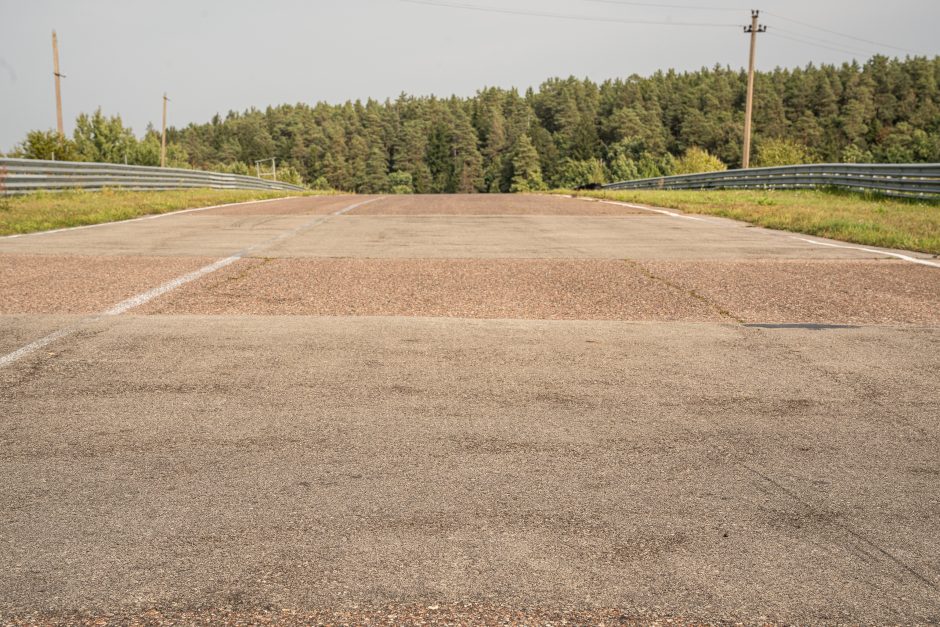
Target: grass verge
x,y
851,217
42,211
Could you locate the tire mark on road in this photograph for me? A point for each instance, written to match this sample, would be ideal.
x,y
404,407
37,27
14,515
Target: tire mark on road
x,y
867,547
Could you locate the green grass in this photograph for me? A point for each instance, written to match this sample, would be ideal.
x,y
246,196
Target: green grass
x,y
42,211
867,219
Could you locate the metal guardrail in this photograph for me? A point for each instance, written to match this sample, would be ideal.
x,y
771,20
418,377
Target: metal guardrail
x,y
19,176
908,180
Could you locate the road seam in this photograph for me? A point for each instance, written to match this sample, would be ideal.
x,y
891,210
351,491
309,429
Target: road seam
x,y
690,292
169,286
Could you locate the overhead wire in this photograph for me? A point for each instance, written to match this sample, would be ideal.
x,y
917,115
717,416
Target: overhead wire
x,y
795,36
655,5
774,33
839,34
824,42
565,16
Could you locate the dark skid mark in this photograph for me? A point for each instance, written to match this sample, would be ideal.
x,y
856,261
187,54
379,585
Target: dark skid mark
x,y
868,547
812,326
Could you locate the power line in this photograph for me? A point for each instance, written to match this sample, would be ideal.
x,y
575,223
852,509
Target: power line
x,y
809,39
666,6
838,34
774,33
564,16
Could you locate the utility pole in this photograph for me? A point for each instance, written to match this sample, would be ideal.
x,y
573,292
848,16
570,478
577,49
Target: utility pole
x,y
163,136
58,86
753,29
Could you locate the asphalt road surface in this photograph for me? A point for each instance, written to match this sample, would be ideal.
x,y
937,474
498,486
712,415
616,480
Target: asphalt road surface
x,y
466,409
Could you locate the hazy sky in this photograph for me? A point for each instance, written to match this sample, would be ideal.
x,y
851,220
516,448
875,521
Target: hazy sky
x,y
213,56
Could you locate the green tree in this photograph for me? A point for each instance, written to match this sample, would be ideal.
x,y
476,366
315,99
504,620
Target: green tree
x,y
411,149
287,173
854,154
576,174
103,139
47,145
776,152
621,165
696,160
147,152
623,168
526,171
375,179
468,162
583,132
321,183
400,183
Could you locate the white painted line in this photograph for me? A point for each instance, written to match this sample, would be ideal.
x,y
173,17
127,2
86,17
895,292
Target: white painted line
x,y
35,346
671,214
908,258
150,217
356,206
169,286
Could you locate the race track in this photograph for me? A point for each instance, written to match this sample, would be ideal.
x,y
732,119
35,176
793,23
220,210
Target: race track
x,y
466,406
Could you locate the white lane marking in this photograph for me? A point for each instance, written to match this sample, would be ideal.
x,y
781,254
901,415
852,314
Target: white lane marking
x,y
169,286
923,262
351,207
150,217
34,346
907,258
671,214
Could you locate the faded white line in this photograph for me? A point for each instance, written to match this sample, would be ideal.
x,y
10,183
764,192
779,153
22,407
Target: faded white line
x,y
169,286
34,346
875,251
664,212
150,217
908,258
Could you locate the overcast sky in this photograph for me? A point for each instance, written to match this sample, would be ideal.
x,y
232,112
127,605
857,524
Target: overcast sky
x,y
214,56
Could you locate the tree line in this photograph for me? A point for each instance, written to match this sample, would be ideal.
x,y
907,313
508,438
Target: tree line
x,y
567,133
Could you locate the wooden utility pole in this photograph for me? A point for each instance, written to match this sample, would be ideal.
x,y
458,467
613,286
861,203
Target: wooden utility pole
x,y
58,86
163,136
753,29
